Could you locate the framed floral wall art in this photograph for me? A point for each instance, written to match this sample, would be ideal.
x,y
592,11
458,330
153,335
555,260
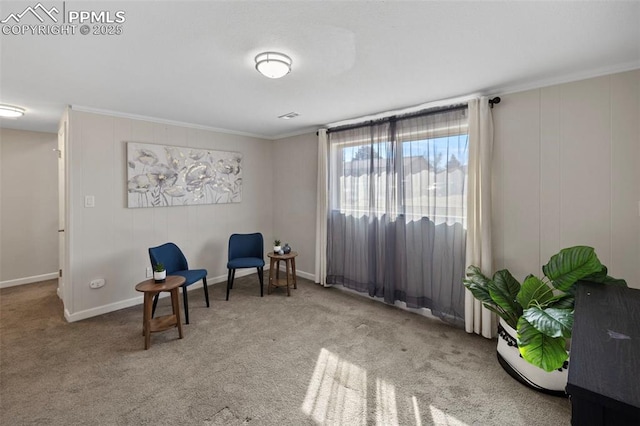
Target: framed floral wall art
x,y
162,175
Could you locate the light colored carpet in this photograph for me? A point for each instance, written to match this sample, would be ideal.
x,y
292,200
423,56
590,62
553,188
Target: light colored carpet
x,y
319,357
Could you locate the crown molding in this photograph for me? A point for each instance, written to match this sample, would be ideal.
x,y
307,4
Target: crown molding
x,y
110,113
491,91
304,131
568,78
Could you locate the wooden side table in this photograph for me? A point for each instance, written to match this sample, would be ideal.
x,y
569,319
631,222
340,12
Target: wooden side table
x,y
290,263
150,325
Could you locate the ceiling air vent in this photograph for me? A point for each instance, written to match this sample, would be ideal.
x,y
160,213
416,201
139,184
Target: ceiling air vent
x,y
289,116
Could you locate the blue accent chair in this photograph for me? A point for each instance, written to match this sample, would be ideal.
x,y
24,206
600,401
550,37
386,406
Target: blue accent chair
x,y
245,251
176,264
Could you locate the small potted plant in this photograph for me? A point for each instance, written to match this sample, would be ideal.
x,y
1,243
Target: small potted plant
x,y
276,246
159,273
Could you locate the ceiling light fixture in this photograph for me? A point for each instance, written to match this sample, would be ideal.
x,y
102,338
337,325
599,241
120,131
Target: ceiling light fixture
x,y
273,64
10,111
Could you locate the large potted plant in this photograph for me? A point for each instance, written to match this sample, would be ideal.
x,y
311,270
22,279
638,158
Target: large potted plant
x,y
536,317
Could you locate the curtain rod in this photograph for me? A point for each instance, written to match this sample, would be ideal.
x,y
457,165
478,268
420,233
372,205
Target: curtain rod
x,y
492,102
398,117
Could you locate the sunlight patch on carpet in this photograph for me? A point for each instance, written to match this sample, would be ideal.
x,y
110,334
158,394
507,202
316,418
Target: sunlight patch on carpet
x,y
416,410
337,395
441,418
337,392
386,408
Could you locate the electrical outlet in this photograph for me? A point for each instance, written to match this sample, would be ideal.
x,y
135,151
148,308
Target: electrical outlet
x,y
149,272
97,283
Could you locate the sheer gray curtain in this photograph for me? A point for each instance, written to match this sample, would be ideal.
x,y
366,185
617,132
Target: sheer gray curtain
x,y
397,210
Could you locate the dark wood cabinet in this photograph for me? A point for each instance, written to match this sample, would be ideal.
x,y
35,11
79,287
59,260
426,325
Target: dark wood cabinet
x,y
604,369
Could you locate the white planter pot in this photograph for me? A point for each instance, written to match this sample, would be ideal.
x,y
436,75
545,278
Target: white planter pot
x,y
553,382
160,277
276,249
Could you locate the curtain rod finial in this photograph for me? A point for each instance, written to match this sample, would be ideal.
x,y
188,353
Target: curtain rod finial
x,y
495,100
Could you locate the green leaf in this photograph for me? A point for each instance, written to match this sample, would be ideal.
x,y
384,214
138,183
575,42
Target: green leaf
x,y
614,281
534,290
570,265
602,277
540,350
480,293
501,313
477,283
475,275
597,277
503,290
563,301
552,322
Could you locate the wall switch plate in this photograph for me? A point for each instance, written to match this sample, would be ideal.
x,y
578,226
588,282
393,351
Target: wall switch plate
x,y
97,283
89,201
149,272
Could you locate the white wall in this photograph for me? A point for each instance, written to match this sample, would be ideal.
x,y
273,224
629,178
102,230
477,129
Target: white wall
x,y
110,240
29,207
566,172
295,169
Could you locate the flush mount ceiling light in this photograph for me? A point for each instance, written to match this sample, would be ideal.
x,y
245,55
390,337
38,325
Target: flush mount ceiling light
x,y
10,111
273,64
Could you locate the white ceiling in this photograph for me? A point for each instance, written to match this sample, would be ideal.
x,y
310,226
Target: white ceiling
x,y
192,62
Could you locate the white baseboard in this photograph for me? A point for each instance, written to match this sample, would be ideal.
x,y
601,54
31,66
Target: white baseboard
x,y
398,304
138,300
299,273
306,275
88,313
28,280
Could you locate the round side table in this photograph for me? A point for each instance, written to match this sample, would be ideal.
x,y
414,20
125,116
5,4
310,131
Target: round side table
x,y
151,325
274,267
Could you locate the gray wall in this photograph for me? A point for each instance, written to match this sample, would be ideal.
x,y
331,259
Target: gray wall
x,y
566,173
28,206
110,241
295,169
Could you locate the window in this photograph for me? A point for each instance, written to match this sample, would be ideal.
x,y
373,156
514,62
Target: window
x,y
434,178
397,210
420,170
